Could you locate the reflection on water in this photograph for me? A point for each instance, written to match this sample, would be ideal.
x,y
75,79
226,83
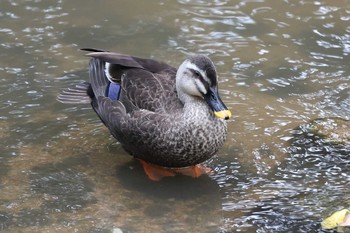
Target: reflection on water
x,y
281,64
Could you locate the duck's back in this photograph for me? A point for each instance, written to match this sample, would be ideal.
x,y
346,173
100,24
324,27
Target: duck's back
x,y
144,83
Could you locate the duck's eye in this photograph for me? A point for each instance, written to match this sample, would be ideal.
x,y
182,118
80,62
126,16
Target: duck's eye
x,y
196,73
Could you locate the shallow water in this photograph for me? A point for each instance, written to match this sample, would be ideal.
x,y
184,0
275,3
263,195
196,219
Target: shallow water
x,y
281,65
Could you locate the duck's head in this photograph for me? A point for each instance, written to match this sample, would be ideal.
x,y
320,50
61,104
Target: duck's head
x,y
196,77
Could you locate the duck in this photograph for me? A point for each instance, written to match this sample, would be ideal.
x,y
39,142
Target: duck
x,y
172,120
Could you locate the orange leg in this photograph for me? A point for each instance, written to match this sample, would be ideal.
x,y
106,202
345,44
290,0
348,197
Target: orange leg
x,y
156,173
194,171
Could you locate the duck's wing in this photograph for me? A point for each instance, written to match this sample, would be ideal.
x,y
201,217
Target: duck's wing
x,y
155,92
136,131
111,113
145,83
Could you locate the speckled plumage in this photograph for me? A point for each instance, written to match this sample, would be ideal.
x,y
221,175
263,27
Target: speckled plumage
x,y
151,120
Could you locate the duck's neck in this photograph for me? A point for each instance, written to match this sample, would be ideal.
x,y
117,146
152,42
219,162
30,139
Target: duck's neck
x,y
196,108
185,98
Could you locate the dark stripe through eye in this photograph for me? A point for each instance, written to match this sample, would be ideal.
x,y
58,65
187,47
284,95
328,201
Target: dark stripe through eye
x,y
196,73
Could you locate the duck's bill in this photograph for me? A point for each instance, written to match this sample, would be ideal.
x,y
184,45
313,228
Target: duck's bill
x,y
224,114
215,103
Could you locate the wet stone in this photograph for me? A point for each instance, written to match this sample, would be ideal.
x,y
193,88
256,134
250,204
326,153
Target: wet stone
x,y
328,136
333,130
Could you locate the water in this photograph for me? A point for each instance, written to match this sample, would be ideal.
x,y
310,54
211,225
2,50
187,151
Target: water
x,y
281,65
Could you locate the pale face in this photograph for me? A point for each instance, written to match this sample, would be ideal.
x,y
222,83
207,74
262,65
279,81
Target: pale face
x,y
196,77
191,80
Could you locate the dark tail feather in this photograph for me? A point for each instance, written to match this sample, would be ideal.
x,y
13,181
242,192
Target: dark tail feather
x,y
78,94
93,50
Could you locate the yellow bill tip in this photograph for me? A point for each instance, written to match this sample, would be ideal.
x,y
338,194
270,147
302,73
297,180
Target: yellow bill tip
x,y
224,114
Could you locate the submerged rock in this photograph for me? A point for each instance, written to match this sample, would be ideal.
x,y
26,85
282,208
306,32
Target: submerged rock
x,y
332,130
322,138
